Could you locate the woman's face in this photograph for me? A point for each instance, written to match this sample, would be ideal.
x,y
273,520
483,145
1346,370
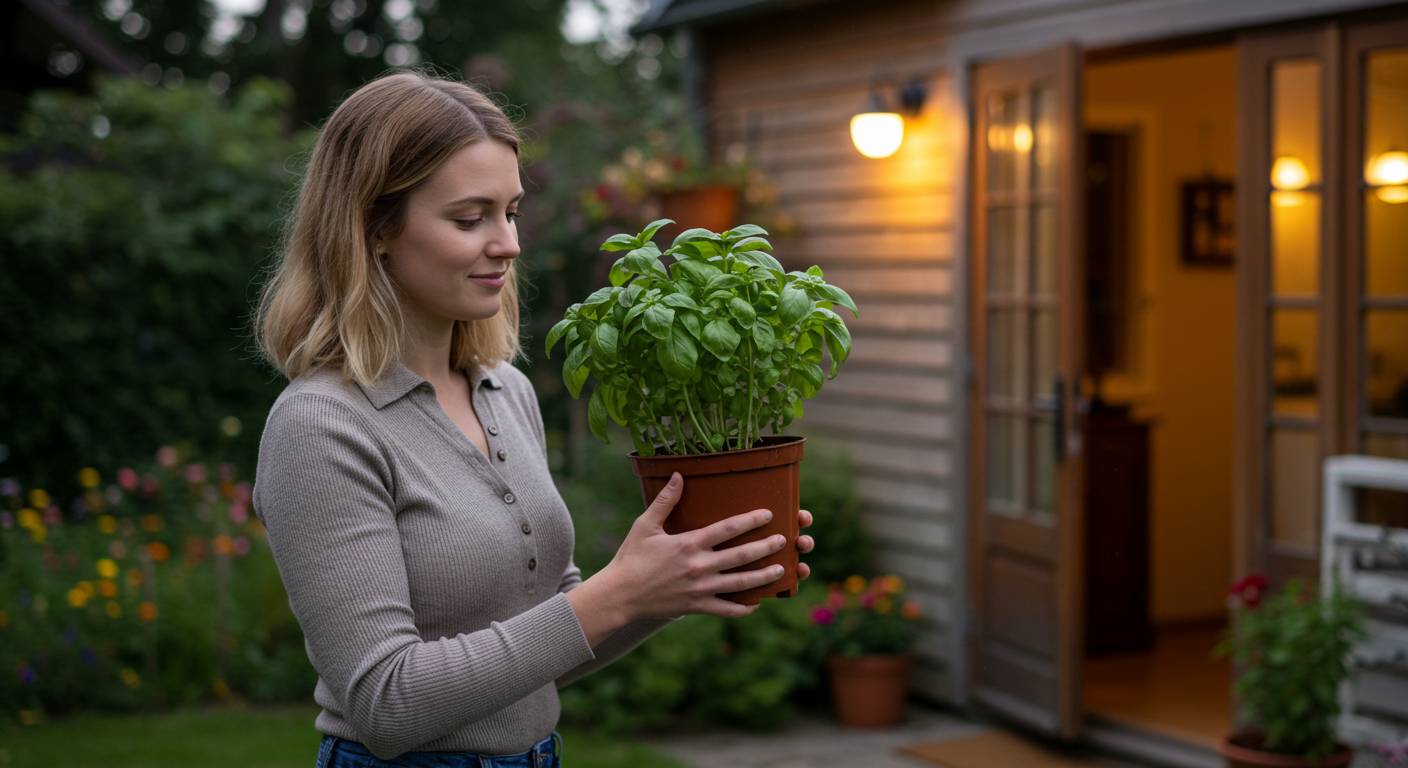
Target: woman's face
x,y
459,235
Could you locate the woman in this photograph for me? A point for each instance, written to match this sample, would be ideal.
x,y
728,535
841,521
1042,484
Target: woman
x,y
402,472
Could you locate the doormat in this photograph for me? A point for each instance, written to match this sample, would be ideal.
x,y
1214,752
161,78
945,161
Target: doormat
x,y
995,749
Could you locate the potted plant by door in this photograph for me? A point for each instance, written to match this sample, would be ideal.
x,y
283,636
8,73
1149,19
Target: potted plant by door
x,y
695,356
1292,653
866,633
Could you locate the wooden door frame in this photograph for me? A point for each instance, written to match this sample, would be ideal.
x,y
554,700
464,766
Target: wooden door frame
x,y
1067,546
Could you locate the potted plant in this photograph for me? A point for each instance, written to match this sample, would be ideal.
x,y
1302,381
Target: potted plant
x,y
1291,651
866,633
695,357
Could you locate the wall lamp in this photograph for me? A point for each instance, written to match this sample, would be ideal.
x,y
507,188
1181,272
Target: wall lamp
x,y
1387,172
878,131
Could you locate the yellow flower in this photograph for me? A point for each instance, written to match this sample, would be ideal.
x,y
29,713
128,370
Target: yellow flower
x,y
230,426
28,518
107,588
855,585
130,678
147,610
220,688
77,597
223,545
107,568
107,524
893,585
88,477
39,534
152,523
38,498
114,610
883,604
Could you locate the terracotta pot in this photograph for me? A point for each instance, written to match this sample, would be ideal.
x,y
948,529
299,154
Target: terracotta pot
x,y
711,206
1242,749
721,485
869,691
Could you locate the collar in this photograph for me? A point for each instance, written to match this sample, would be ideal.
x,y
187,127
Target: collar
x,y
398,380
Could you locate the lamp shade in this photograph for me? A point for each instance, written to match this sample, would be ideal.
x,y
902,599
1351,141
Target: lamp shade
x,y
877,134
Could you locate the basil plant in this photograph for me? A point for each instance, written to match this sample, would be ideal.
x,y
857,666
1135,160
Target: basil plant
x,y
697,355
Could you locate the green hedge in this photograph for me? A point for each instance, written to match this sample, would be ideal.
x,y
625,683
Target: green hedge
x,y
133,226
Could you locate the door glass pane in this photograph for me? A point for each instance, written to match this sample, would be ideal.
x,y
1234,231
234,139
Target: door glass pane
x,y
1377,506
1295,124
1293,502
1386,363
1044,345
1044,251
1004,125
1386,241
1044,139
1386,136
1043,437
1294,362
1004,353
1004,459
1295,243
1002,250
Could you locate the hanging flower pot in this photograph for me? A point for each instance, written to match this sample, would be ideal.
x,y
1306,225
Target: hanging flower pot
x,y
708,206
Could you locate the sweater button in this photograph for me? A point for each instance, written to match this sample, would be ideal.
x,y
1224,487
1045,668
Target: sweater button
x,y
527,529
532,563
502,454
508,498
493,430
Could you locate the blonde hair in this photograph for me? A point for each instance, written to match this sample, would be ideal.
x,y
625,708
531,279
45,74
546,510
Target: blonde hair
x,y
330,301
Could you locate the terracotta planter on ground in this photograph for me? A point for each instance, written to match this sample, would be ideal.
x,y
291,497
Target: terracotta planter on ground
x,y
869,691
721,485
1242,750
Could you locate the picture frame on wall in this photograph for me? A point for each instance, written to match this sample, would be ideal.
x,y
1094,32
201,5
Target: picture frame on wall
x,y
1208,232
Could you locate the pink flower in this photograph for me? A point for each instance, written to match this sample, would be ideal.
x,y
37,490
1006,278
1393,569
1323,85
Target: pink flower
x,y
822,615
52,516
166,456
7,520
195,473
117,549
127,479
239,513
242,491
226,472
241,545
150,486
867,599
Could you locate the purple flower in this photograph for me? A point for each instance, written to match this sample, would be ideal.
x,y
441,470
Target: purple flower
x,y
26,674
7,520
8,487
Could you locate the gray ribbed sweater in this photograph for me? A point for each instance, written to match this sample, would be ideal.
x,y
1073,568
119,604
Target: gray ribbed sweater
x,y
427,577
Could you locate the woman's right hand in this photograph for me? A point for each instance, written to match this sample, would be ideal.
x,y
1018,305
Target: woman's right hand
x,y
662,575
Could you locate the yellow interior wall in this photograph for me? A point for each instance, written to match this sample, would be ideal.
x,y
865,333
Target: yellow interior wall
x,y
1387,225
1184,105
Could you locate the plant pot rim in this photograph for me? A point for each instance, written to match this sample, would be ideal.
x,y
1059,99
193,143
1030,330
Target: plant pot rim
x,y
1230,748
769,443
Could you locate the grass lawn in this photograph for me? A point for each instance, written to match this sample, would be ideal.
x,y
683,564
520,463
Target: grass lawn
x,y
264,737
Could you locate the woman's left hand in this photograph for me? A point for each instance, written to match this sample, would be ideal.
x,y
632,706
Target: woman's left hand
x,y
805,543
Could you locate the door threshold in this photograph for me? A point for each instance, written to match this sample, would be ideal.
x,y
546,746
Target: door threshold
x,y
1129,740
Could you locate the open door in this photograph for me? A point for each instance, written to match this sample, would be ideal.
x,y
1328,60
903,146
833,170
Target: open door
x,y
1025,515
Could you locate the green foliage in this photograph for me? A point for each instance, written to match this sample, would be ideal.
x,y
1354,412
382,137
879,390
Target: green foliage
x,y
156,588
133,223
857,618
698,356
1292,651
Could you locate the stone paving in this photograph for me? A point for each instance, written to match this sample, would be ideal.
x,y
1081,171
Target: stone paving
x,y
815,742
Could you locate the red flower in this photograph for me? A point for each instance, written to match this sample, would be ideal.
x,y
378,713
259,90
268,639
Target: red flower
x,y
1249,589
823,615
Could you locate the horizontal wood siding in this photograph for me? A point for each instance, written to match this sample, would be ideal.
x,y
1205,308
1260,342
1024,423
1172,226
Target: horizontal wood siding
x,y
784,91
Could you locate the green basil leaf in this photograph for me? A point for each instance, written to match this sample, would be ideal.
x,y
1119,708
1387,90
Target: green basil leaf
x,y
742,311
763,336
722,281
640,261
619,273
679,301
762,259
599,296
840,297
643,446
794,305
698,271
690,321
721,339
556,333
678,355
658,320
634,312
647,234
604,343
576,362
745,230
691,235
596,415
814,271
628,295
619,243
752,243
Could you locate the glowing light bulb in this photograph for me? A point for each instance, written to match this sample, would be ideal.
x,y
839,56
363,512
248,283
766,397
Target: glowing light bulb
x,y
877,134
1389,172
1289,173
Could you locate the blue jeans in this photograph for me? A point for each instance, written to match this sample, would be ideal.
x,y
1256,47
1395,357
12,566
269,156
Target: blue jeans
x,y
335,752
